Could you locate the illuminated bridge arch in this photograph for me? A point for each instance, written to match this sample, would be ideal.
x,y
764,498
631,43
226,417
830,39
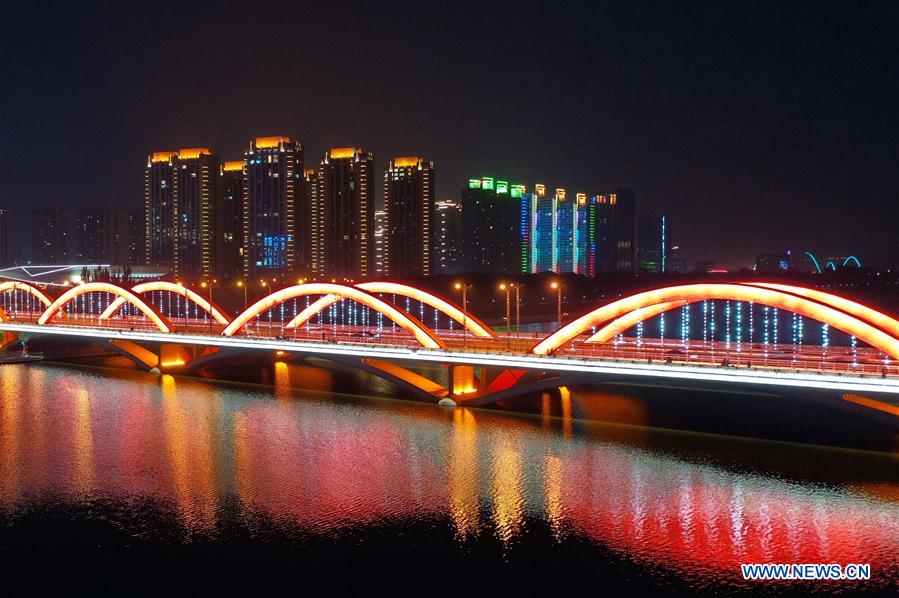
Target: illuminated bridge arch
x,y
814,261
613,315
852,258
160,285
21,286
402,319
148,310
474,325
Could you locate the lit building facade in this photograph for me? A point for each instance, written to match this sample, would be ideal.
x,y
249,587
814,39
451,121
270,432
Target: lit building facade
x,y
409,207
380,246
654,244
228,246
558,232
273,181
4,235
195,192
49,235
159,209
449,249
493,231
346,205
316,231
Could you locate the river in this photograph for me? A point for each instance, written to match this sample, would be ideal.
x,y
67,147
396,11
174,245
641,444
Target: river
x,y
113,481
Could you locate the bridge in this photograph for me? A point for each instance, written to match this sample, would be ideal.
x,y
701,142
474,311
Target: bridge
x,y
390,330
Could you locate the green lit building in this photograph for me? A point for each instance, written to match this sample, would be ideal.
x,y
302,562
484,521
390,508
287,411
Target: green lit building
x,y
491,212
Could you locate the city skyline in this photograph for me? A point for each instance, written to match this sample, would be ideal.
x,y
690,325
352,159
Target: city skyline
x,y
709,127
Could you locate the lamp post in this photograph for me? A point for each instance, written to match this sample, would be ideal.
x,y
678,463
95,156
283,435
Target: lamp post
x,y
517,287
508,290
264,285
557,287
464,288
204,284
241,284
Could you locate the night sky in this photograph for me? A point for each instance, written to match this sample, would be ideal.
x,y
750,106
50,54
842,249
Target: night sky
x,y
755,127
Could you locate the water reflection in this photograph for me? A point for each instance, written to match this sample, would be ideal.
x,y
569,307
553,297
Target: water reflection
x,y
326,465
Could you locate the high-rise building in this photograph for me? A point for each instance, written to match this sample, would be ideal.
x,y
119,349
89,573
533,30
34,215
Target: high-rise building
x,y
4,235
409,203
615,231
136,237
346,202
558,232
93,235
654,243
492,219
159,209
229,220
380,245
124,237
449,245
196,181
48,235
316,232
273,182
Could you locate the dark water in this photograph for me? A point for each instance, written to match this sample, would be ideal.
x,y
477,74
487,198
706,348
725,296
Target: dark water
x,y
123,483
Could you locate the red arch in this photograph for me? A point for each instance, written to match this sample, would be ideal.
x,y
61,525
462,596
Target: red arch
x,y
104,287
161,285
474,325
622,323
404,320
863,312
22,286
688,293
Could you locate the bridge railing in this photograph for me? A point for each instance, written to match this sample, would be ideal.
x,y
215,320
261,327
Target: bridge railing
x,y
788,357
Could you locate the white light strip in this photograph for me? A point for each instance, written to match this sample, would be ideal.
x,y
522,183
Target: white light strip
x,y
850,382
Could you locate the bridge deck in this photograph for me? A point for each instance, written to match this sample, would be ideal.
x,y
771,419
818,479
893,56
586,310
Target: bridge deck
x,y
829,367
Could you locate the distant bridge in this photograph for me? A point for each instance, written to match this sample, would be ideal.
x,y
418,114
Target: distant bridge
x,y
164,326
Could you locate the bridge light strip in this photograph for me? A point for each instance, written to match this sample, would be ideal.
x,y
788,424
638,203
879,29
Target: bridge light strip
x,y
713,373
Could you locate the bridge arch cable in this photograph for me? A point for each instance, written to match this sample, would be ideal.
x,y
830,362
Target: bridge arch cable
x,y
452,311
72,295
814,261
403,320
37,299
616,314
156,286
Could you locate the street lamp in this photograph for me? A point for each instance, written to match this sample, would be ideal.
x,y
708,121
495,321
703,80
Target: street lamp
x,y
241,284
507,287
204,284
557,287
464,288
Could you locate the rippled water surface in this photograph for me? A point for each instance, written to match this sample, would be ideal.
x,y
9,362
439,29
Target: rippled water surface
x,y
112,481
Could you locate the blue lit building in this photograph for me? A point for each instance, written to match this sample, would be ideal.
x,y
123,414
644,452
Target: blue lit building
x,y
273,188
558,232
